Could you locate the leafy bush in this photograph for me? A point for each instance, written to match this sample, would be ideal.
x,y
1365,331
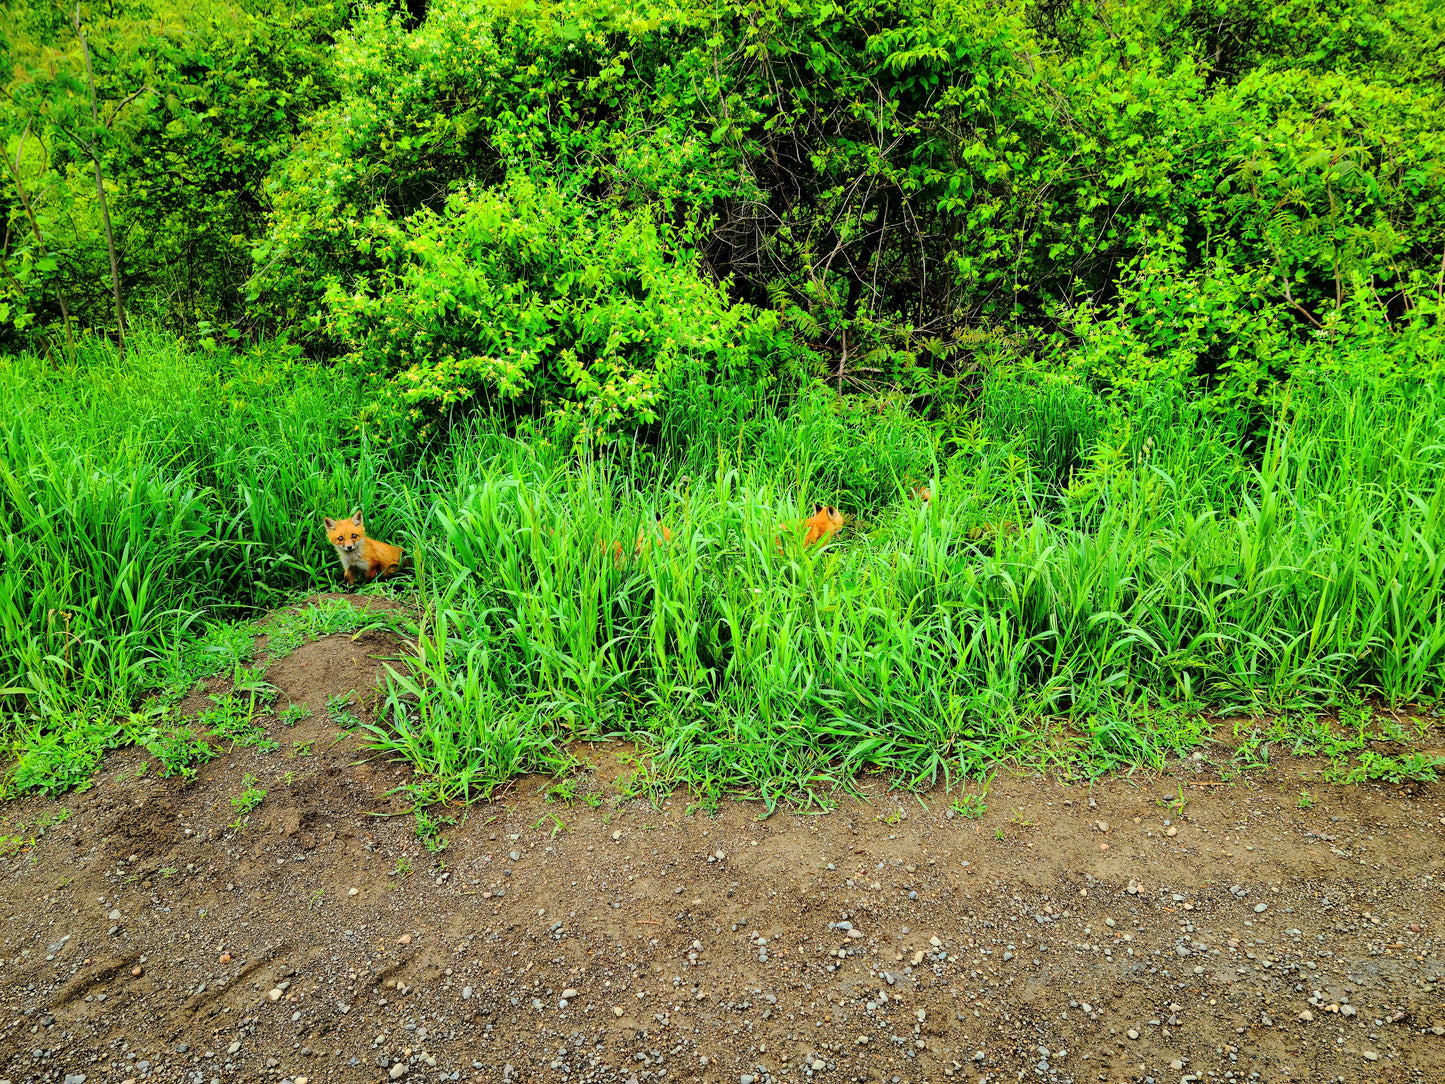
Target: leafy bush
x,y
525,299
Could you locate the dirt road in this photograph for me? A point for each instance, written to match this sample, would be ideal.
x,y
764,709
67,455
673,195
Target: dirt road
x,y
1159,928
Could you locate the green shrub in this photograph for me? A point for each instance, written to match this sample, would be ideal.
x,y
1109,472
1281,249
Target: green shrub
x,y
526,300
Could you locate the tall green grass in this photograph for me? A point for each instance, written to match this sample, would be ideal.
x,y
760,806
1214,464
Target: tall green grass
x,y
1086,578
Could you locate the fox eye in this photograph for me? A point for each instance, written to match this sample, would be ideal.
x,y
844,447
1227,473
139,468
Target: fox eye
x,y
353,536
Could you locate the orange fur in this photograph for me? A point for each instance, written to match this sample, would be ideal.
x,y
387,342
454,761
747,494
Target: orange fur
x,y
361,556
619,555
821,525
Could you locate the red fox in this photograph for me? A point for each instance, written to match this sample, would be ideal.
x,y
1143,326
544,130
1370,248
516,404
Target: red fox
x,y
921,493
619,555
361,556
821,525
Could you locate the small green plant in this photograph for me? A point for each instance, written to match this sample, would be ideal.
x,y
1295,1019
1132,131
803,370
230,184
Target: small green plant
x,y
969,806
339,708
403,867
317,898
301,748
167,872
249,798
559,826
234,717
429,831
177,750
564,790
1176,803
293,714
1305,801
288,778
592,800
251,684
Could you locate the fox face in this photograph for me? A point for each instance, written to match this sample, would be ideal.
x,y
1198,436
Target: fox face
x,y
346,534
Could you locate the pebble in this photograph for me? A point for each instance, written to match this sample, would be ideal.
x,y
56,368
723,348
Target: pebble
x,y
1103,826
570,993
1261,908
274,994
1370,1055
135,970
353,891
1172,831
746,1078
466,993
114,915
617,1011
398,1071
1306,1016
233,1048
1132,1033
617,835
225,957
1348,1010
404,939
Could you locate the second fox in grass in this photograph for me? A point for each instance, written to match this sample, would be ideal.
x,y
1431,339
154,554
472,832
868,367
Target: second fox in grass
x,y
362,558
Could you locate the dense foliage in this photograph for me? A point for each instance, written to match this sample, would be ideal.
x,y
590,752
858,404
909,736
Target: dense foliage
x,y
906,188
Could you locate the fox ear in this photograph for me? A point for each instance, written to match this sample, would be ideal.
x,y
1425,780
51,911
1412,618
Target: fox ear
x,y
356,517
817,508
330,523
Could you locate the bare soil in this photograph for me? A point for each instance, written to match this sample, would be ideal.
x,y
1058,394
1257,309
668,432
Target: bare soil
x,y
1073,933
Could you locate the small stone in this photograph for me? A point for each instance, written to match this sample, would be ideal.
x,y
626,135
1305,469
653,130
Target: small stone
x,y
353,891
404,939
617,835
1306,1016
135,970
1132,1033
303,1080
1133,888
935,942
225,957
855,934
274,994
570,993
1348,1010
746,1078
1261,908
719,855
114,915
398,1071
343,1008
233,1048
1172,831
1102,826
75,1078
617,1011
466,993
1370,1055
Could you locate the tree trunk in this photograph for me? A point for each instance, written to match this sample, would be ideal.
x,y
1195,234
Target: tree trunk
x,y
100,187
35,228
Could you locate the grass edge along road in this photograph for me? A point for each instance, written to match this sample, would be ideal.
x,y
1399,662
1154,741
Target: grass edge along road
x,y
1090,580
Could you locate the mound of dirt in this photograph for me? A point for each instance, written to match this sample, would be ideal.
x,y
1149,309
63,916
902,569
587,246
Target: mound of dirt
x,y
1157,929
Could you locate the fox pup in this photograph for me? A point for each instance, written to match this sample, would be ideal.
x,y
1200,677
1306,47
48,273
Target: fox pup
x,y
619,555
361,556
821,525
